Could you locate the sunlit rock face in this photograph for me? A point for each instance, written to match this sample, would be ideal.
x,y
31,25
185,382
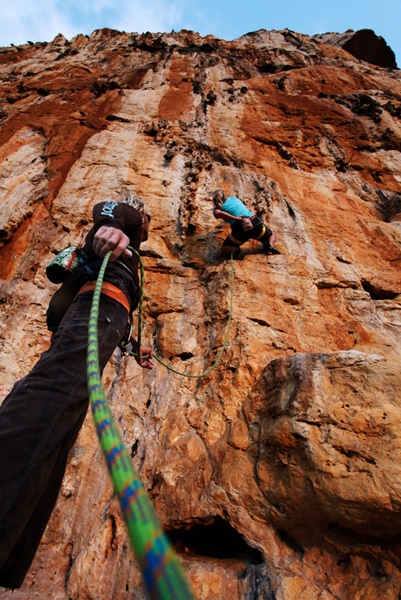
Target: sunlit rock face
x,y
277,474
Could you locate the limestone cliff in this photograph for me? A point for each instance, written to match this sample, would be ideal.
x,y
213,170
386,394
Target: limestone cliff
x,y
277,476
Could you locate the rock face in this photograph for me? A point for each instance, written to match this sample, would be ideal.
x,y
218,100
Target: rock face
x,y
363,44
277,475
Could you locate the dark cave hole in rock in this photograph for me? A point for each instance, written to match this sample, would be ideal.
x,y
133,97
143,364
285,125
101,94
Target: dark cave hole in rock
x,y
185,355
214,540
134,448
377,293
191,229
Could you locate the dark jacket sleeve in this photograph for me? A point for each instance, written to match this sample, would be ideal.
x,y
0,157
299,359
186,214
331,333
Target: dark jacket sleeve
x,y
121,216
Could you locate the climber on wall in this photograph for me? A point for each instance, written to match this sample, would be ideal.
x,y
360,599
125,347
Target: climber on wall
x,y
244,225
42,415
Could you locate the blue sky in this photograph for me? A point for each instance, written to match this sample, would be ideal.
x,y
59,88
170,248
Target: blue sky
x,y
23,20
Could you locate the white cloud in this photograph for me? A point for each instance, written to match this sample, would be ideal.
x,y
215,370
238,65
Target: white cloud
x,y
23,20
142,16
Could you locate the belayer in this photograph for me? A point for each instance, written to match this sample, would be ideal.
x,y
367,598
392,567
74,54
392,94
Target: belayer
x,y
244,225
41,417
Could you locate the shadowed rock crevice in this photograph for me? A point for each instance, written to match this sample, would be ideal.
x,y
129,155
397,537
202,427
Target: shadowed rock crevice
x,y
214,540
389,205
379,292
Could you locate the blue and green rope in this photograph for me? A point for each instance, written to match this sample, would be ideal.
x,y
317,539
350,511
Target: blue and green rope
x,y
162,572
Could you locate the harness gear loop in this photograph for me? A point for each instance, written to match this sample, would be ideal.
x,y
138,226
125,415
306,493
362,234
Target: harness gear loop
x,y
125,345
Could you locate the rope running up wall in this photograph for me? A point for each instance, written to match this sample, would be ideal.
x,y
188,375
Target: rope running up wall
x,y
140,313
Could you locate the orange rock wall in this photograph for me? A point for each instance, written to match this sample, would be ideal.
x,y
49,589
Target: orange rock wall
x,y
277,474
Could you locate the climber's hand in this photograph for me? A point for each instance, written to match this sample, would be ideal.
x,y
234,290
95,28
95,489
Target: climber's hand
x,y
109,238
145,361
246,224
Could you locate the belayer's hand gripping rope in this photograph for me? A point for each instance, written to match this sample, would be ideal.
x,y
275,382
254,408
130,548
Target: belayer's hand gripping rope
x,y
163,574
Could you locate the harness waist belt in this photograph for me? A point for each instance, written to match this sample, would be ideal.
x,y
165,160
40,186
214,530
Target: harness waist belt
x,y
110,290
234,239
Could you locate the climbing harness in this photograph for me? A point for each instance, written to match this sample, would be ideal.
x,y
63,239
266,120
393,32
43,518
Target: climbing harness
x,y
110,290
257,222
163,574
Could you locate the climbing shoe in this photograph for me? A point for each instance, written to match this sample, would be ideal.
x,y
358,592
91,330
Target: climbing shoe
x,y
270,249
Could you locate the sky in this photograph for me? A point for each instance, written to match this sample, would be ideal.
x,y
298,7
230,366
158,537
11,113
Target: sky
x,y
42,20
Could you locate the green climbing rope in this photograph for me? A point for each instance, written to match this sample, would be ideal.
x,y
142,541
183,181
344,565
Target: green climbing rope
x,y
140,311
140,302
163,574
